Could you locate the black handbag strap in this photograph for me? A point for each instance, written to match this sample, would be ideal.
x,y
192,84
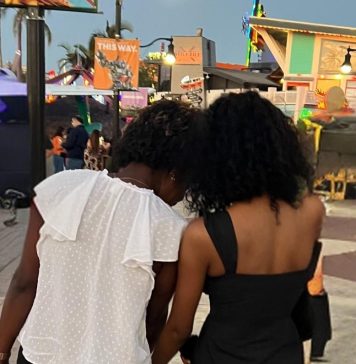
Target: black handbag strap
x,y
222,234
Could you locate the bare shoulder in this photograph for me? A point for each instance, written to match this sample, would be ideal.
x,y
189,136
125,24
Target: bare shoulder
x,y
196,236
313,206
314,213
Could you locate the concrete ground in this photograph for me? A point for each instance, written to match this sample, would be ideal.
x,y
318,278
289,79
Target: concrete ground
x,y
339,249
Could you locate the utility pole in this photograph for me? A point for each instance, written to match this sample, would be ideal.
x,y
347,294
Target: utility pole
x,y
116,132
36,92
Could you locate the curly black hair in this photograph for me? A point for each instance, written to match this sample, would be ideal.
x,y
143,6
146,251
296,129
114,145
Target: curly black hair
x,y
164,136
254,150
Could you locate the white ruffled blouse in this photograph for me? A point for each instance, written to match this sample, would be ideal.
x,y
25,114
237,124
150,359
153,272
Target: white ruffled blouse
x,y
96,250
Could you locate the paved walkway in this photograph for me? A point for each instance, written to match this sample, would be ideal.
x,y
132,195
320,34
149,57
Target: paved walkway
x,y
339,249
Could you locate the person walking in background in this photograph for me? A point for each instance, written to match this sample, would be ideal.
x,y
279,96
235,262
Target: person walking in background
x,y
95,152
98,267
255,248
57,140
75,144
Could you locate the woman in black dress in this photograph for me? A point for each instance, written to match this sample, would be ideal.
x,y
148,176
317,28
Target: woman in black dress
x,y
255,248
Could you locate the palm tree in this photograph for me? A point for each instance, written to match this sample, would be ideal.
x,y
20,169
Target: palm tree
x,y
19,19
108,33
76,55
2,14
79,55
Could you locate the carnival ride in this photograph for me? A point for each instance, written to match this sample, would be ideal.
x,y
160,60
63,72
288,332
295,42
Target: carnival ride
x,y
254,40
333,127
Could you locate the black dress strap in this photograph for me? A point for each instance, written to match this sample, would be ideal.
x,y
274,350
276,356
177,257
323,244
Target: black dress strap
x,y
314,259
222,233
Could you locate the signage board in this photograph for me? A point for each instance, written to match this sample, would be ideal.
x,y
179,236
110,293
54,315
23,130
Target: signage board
x,y
116,63
73,5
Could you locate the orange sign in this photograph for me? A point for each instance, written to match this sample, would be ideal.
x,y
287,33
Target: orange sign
x,y
188,55
116,63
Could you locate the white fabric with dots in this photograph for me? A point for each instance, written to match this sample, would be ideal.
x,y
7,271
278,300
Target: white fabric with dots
x,y
96,249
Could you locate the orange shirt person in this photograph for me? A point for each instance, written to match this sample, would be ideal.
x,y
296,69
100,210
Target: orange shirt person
x,y
57,140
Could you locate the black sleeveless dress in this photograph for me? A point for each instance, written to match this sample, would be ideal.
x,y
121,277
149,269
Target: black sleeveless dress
x,y
250,315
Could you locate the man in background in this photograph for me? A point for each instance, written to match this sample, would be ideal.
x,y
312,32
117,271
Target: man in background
x,y
75,144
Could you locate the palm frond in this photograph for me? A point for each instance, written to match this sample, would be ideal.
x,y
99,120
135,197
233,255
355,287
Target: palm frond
x,y
82,49
66,46
48,33
19,17
125,25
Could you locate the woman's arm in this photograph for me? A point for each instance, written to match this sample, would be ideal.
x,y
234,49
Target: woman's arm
x,y
192,268
157,310
22,290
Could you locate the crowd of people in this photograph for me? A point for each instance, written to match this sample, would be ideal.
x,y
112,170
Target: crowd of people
x,y
104,254
74,148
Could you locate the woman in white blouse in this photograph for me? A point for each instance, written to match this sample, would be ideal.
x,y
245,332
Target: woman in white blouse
x,y
99,262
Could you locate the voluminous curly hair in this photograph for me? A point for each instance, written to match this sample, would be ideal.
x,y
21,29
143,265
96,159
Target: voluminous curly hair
x,y
254,150
164,136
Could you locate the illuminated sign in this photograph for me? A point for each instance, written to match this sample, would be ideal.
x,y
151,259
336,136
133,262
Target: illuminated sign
x,y
156,56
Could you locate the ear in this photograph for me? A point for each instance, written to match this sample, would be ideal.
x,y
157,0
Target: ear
x,y
172,175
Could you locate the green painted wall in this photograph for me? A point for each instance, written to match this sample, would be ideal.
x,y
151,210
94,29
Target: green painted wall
x,y
301,60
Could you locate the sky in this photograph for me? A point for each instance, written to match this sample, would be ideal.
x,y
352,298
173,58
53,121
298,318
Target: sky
x,y
220,20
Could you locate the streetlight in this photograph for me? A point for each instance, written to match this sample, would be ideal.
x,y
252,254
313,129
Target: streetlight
x,y
116,132
170,58
346,67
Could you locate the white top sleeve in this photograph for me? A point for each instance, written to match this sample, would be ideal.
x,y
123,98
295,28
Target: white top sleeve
x,y
61,200
166,239
157,237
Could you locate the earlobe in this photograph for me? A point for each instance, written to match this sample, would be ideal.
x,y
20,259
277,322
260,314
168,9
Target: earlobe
x,y
172,176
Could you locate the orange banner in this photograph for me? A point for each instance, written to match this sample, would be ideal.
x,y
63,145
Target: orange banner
x,y
116,63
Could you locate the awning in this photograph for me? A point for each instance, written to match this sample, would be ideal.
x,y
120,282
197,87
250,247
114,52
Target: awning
x,y
243,79
75,90
15,88
9,87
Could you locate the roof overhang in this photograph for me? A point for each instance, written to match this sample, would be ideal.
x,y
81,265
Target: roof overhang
x,y
241,78
304,27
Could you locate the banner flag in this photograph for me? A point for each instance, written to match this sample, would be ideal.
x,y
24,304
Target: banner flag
x,y
116,63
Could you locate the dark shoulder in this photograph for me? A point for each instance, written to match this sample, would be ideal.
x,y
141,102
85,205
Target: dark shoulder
x,y
196,229
196,236
82,130
313,206
314,212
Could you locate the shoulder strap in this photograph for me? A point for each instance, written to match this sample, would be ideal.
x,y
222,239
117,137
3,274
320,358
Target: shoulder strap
x,y
314,259
222,233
